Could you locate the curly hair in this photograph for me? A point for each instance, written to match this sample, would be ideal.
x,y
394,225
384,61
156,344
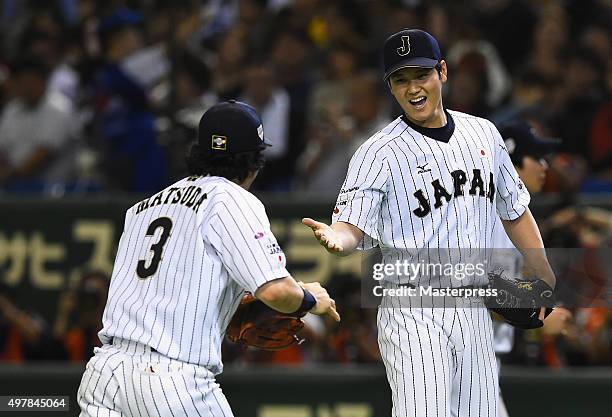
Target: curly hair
x,y
236,166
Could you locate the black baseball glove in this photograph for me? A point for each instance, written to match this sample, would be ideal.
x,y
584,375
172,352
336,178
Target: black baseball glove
x,y
520,302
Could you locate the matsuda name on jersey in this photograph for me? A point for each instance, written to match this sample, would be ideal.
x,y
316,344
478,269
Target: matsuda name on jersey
x,y
460,181
191,196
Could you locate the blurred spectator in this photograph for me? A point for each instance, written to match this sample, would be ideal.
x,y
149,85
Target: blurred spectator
x,y
596,37
36,128
132,158
194,95
219,16
79,316
586,343
530,93
273,104
49,48
506,23
549,43
193,89
354,341
340,132
330,95
584,286
600,141
470,86
578,100
24,335
342,22
481,59
587,12
566,172
302,16
293,70
252,16
228,71
4,75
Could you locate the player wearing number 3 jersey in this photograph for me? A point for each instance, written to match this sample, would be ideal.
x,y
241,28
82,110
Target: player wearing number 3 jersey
x,y
185,259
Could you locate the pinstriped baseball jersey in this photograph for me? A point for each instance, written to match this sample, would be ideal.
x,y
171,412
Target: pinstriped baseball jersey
x,y
438,363
128,379
434,189
507,258
185,258
405,189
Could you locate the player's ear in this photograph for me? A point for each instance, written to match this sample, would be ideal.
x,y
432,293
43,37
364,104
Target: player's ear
x,y
443,71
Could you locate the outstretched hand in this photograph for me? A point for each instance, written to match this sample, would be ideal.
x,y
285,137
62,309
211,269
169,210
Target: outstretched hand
x,y
326,236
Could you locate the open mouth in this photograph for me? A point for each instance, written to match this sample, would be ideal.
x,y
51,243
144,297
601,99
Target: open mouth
x,y
419,102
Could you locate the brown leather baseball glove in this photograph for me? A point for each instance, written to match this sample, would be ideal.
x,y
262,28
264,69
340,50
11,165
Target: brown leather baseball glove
x,y
255,324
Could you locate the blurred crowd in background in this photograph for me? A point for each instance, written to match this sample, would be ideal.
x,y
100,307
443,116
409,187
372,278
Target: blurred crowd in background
x,y
105,96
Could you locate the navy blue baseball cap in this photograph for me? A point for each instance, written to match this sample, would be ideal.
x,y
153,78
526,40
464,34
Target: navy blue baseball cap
x,y
231,127
521,140
410,48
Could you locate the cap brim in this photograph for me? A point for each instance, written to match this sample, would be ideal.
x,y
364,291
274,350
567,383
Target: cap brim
x,y
545,146
411,63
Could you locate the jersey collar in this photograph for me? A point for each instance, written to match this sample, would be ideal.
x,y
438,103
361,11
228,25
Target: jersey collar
x,y
441,134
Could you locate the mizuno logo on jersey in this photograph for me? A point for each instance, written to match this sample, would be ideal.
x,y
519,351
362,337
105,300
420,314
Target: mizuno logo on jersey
x,y
460,179
423,168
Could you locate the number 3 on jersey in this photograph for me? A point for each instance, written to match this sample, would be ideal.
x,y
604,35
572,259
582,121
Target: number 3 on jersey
x,y
165,223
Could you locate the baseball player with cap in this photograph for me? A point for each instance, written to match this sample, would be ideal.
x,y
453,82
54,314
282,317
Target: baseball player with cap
x,y
528,153
186,257
432,179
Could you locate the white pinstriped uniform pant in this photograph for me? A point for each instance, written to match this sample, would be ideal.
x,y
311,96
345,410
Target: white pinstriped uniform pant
x,y
118,382
440,362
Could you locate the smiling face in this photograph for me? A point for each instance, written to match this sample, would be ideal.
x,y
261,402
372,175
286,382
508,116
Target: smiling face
x,y
419,92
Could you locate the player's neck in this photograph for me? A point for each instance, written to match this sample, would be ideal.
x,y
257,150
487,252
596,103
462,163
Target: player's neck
x,y
438,119
248,181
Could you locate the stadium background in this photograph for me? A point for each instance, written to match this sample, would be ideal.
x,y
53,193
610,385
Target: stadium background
x,y
115,90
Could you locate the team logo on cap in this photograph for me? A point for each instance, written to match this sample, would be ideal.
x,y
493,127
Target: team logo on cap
x,y
260,132
219,143
405,48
